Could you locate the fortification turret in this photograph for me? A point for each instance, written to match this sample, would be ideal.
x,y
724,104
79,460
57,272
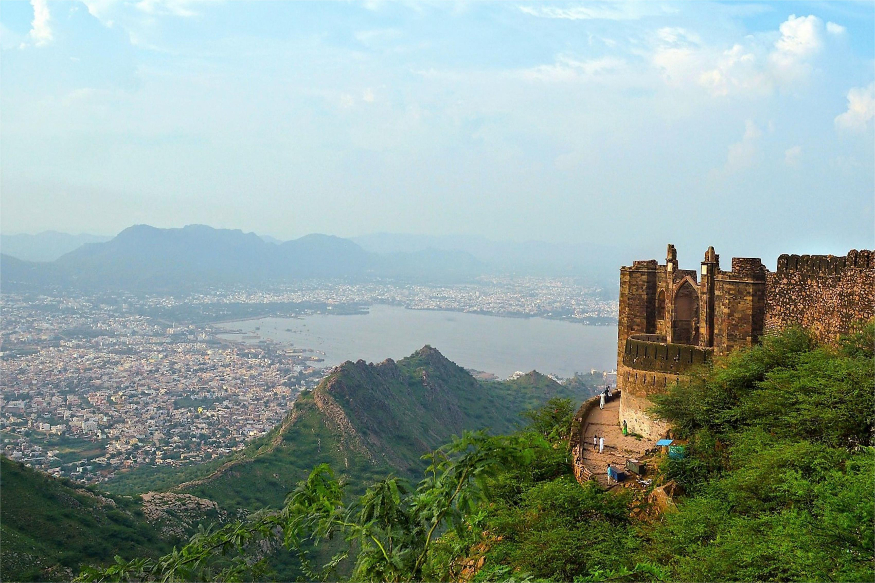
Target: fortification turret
x,y
710,269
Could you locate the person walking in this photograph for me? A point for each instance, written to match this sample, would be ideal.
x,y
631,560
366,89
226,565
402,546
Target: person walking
x,y
595,441
602,401
625,428
601,444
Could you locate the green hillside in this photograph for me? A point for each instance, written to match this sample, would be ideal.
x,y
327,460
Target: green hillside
x,y
368,420
776,485
50,527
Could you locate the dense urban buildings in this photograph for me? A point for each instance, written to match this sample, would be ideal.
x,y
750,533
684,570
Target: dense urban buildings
x,y
93,385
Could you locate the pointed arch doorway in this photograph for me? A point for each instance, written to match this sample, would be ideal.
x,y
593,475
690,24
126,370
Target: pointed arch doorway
x,y
685,325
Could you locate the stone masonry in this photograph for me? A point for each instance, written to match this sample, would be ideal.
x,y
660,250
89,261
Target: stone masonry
x,y
671,319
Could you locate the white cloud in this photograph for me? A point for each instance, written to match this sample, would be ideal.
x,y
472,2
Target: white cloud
x,y
836,29
368,96
101,9
745,153
612,11
167,7
677,36
757,65
801,39
567,68
861,109
737,70
800,36
132,14
792,155
41,31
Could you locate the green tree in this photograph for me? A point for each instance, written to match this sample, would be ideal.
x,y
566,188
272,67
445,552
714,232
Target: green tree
x,y
391,526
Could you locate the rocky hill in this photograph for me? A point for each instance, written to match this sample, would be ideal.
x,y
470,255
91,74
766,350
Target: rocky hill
x,y
365,420
368,420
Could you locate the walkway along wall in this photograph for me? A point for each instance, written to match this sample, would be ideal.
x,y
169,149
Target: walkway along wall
x,y
581,472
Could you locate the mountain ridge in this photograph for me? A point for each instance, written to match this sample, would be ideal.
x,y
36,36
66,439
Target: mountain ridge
x,y
146,258
45,246
367,420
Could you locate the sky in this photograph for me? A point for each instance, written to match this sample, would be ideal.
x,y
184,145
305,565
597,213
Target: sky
x,y
744,125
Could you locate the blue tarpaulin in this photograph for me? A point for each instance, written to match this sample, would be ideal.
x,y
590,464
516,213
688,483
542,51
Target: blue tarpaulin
x,y
663,442
616,475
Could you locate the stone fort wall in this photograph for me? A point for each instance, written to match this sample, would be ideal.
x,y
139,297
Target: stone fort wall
x,y
824,294
648,367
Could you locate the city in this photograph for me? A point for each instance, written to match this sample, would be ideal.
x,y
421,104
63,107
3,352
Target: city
x,y
92,386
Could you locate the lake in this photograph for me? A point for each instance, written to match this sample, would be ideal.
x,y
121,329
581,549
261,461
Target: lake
x,y
488,343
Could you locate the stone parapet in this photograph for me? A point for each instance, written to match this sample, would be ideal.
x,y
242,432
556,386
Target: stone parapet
x,y
648,355
826,264
725,311
745,269
634,403
581,472
822,293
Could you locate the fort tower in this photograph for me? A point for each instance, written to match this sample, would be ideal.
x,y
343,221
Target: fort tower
x,y
670,320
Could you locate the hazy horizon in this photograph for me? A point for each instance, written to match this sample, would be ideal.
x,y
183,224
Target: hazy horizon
x,y
689,258
744,126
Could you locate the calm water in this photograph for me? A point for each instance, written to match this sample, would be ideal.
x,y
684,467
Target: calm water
x,y
488,343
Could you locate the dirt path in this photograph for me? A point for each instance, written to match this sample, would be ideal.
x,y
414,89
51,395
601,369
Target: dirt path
x,y
618,448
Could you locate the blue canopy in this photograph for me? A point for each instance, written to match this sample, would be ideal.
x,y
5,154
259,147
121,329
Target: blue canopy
x,y
665,442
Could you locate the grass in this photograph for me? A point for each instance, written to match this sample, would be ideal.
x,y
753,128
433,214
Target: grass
x,y
51,527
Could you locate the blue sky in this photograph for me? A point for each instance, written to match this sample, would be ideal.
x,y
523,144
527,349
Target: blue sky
x,y
748,126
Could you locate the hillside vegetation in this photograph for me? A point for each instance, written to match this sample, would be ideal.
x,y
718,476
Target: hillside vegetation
x,y
782,466
368,420
778,481
51,528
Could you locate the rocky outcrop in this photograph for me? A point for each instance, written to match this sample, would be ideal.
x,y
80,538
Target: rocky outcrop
x,y
336,419
177,514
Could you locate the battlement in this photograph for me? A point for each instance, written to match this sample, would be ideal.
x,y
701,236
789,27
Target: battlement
x,y
826,264
746,269
671,320
646,352
646,264
650,337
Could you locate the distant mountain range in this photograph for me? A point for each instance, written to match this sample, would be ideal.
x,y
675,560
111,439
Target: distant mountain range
x,y
151,259
46,246
144,258
596,262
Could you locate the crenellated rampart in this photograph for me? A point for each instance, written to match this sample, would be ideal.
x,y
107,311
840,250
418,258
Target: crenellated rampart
x,y
651,354
670,319
823,293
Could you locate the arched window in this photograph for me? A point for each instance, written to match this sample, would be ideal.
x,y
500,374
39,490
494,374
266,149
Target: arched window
x,y
685,326
660,305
